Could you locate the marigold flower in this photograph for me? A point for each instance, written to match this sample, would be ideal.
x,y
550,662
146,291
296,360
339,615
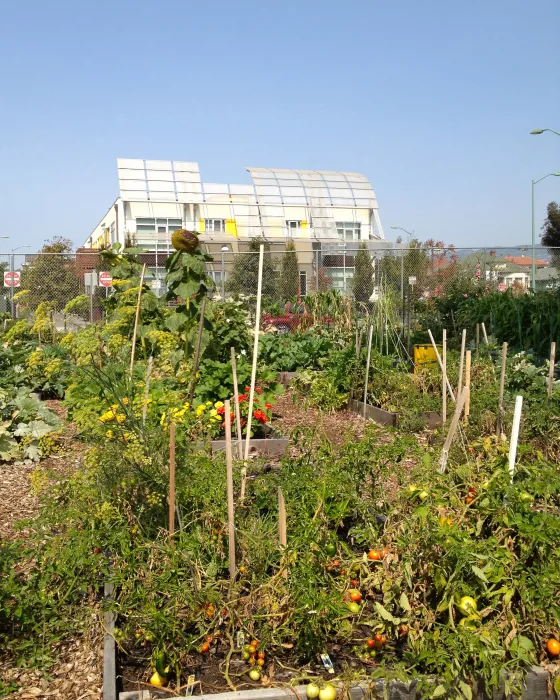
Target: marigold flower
x,y
268,405
218,404
121,418
260,416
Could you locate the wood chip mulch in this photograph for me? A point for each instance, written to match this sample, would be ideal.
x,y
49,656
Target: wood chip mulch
x,y
78,673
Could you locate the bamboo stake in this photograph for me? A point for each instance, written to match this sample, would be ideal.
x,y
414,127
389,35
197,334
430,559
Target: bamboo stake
x,y
236,400
197,349
147,389
462,361
551,368
136,319
444,377
253,371
514,434
501,395
484,335
468,384
367,367
449,389
171,483
231,513
485,339
463,398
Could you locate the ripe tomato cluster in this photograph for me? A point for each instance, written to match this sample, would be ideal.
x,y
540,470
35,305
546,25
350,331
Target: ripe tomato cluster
x,y
378,554
205,646
255,657
334,566
471,496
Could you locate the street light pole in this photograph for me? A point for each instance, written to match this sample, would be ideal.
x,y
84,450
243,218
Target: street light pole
x,y
533,260
225,249
409,234
12,271
537,132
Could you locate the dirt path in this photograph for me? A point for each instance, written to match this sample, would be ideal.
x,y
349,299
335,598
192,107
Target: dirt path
x,y
78,675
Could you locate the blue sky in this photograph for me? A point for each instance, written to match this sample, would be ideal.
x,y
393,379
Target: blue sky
x,y
432,100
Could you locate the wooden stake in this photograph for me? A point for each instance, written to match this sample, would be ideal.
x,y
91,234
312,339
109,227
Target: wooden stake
x,y
441,364
236,400
171,483
551,368
254,368
282,530
468,384
367,366
501,395
444,377
136,319
147,389
485,339
231,513
463,398
514,434
461,361
477,339
484,335
197,349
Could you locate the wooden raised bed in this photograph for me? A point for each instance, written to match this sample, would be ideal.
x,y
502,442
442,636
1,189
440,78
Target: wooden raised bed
x,y
536,688
388,418
285,377
265,446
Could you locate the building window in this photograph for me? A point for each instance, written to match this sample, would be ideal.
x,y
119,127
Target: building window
x,y
340,277
215,225
348,230
158,225
293,226
303,283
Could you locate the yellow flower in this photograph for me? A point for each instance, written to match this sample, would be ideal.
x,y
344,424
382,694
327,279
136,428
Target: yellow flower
x,y
209,403
109,434
125,401
200,410
121,418
162,419
213,412
114,407
218,404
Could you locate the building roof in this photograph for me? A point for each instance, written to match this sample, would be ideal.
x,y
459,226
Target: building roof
x,y
525,261
547,273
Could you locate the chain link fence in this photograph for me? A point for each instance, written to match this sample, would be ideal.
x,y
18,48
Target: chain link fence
x,y
365,271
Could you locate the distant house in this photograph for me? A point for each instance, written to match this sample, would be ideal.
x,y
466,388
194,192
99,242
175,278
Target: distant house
x,y
547,279
504,271
526,261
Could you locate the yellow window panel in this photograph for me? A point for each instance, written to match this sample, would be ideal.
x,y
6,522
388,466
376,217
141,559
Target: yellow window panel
x,y
201,225
304,224
231,227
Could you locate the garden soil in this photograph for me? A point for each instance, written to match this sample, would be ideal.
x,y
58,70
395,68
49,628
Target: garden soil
x,y
77,675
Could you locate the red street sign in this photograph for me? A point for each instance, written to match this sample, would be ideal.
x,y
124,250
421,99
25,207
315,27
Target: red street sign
x,y
105,279
12,279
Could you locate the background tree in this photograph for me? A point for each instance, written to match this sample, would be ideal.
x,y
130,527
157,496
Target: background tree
x,y
244,275
289,273
52,275
362,284
550,236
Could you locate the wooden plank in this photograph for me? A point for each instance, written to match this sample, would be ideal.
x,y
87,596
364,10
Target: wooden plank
x,y
378,415
551,369
136,320
109,657
265,446
171,483
231,510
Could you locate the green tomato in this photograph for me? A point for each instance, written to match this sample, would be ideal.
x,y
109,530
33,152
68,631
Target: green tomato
x,y
412,488
330,549
354,608
423,495
327,692
255,674
246,655
526,497
312,690
468,606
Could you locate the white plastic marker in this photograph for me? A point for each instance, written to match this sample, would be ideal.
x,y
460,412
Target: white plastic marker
x,y
449,389
254,369
514,434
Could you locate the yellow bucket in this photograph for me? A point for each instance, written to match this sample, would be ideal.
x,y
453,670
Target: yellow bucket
x,y
425,355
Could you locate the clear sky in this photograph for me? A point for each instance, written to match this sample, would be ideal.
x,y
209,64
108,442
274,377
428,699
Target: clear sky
x,y
433,101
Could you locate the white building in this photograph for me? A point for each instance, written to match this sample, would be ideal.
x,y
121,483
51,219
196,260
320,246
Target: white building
x,y
317,209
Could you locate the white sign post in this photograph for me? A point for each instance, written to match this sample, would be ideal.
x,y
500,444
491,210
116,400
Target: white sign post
x,y
412,280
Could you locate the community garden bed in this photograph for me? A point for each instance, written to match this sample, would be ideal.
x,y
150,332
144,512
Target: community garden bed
x,y
353,547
